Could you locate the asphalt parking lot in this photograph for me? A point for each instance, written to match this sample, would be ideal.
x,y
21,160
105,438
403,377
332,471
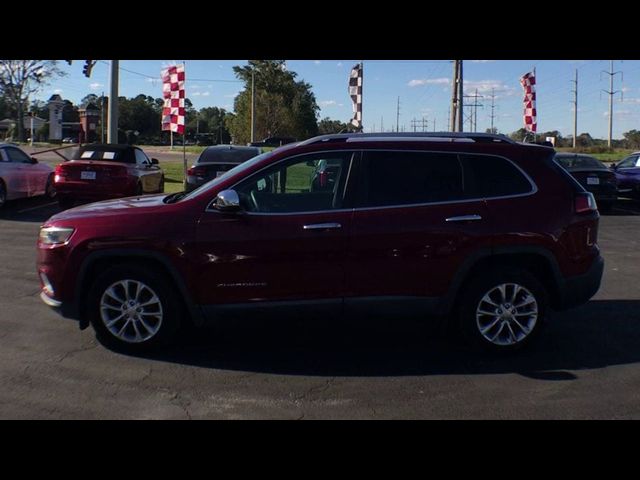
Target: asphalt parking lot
x,y
586,365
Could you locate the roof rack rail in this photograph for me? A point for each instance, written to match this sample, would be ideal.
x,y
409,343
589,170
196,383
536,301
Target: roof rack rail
x,y
412,136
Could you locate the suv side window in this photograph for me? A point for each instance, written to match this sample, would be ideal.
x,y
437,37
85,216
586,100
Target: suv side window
x,y
307,183
409,178
490,176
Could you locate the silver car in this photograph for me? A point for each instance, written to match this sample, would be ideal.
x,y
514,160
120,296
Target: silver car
x,y
22,176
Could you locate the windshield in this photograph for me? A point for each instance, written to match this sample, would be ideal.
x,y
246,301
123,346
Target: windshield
x,y
229,155
240,168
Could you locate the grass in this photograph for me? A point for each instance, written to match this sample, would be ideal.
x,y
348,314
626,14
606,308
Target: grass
x,y
173,177
608,157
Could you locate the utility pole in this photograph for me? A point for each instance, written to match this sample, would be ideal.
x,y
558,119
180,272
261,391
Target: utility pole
x,y
398,116
473,114
493,106
382,124
611,93
424,122
575,110
253,104
102,118
112,134
453,109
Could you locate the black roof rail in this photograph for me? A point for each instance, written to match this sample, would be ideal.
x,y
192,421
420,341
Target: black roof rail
x,y
412,136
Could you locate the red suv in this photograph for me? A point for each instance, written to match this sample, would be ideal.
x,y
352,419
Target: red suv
x,y
476,229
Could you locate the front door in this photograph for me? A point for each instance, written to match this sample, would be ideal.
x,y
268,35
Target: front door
x,y
287,245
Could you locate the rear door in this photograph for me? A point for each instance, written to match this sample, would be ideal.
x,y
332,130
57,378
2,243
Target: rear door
x,y
19,166
413,226
628,174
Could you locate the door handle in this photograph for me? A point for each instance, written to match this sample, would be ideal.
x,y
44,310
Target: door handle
x,y
464,218
322,226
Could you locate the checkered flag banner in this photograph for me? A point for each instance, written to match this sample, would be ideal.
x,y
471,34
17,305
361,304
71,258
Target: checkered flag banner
x,y
355,91
174,95
528,82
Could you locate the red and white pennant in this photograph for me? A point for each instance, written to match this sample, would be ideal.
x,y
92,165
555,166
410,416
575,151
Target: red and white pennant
x,y
174,95
528,82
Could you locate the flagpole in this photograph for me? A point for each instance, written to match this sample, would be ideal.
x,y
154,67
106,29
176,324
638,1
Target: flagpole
x,y
362,102
184,131
535,133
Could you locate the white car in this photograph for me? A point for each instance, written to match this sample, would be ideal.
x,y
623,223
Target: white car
x,y
22,176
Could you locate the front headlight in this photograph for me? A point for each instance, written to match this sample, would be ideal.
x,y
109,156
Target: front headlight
x,y
55,235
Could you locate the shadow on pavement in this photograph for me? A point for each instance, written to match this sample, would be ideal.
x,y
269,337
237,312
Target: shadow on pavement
x,y
34,209
598,334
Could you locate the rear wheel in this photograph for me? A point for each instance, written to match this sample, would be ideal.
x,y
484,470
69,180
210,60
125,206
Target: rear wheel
x,y
139,190
503,310
133,309
65,203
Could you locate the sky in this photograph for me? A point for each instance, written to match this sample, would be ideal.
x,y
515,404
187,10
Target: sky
x,y
423,87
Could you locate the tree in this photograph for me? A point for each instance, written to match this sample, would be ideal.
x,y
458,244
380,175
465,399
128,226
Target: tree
x,y
327,126
632,139
21,79
283,106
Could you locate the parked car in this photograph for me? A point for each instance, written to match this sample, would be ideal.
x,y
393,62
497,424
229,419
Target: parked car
x,y
23,176
69,140
477,230
98,172
593,175
215,161
627,172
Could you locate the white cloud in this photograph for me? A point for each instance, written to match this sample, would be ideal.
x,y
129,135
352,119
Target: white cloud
x,y
339,64
206,94
317,62
327,103
58,91
482,61
95,85
428,81
487,86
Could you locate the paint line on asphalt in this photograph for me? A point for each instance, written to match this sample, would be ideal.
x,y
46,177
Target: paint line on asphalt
x,y
37,207
626,211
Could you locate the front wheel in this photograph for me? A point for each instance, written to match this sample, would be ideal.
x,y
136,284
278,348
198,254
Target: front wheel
x,y
50,190
3,194
503,310
133,309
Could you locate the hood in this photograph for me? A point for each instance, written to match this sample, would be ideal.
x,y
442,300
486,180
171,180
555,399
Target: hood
x,y
114,208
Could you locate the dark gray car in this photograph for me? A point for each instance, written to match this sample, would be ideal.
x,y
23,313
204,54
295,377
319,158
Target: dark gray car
x,y
216,160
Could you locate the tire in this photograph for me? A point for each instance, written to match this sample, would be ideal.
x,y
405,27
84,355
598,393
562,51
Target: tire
x,y
606,207
3,195
516,306
139,190
65,203
49,189
149,321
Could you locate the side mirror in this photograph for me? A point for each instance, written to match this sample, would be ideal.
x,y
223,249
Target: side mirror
x,y
613,166
154,161
34,160
227,201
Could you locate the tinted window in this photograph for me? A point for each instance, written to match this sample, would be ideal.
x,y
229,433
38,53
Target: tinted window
x,y
578,161
141,158
489,176
406,178
629,162
220,155
17,156
307,183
